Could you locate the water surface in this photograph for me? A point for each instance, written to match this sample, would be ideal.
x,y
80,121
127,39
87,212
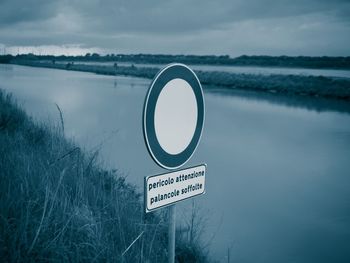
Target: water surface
x,y
278,176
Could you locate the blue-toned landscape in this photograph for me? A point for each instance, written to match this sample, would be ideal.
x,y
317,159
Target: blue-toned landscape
x,y
276,137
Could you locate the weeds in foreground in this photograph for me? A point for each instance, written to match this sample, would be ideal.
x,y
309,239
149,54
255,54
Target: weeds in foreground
x,y
57,204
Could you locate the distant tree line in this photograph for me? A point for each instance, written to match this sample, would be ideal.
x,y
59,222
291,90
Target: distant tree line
x,y
264,61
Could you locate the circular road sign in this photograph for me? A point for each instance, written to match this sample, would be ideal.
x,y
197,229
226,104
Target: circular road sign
x,y
173,116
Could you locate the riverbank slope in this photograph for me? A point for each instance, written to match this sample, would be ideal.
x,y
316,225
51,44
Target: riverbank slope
x,y
57,203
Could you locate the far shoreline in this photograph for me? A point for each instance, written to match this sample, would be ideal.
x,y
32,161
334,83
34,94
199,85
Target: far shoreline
x,y
296,85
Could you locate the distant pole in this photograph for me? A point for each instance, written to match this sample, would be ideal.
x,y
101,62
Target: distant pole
x,y
171,234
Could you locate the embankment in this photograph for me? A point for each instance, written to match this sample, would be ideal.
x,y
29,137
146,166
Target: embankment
x,y
299,85
58,205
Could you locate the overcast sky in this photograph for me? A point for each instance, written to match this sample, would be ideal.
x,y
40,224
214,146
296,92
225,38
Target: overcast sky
x,y
233,27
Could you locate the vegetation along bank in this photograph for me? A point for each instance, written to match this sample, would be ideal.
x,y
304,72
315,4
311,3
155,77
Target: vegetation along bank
x,y
57,203
299,85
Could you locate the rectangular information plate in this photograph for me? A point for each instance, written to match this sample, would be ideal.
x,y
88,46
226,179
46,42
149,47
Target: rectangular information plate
x,y
165,189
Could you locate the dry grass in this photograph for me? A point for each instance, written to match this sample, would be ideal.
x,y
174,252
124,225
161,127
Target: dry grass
x,y
57,204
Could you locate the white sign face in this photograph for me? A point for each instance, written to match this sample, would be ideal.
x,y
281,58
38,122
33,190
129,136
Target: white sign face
x,y
175,116
166,189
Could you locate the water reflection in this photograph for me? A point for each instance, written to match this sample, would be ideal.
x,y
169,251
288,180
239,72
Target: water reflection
x,y
278,180
310,103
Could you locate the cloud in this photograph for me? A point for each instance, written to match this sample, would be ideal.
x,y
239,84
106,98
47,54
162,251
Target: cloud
x,y
15,11
70,50
180,26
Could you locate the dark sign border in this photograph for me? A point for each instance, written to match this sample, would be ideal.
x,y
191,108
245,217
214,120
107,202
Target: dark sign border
x,y
161,157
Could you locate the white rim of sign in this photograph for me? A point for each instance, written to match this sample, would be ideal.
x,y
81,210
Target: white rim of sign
x,y
177,151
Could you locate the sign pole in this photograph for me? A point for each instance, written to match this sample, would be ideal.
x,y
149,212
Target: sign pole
x,y
172,134
171,233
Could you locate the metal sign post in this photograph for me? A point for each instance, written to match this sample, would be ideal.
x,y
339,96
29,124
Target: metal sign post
x,y
173,119
171,233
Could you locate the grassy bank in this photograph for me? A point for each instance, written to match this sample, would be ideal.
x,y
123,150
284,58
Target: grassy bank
x,y
58,205
311,86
